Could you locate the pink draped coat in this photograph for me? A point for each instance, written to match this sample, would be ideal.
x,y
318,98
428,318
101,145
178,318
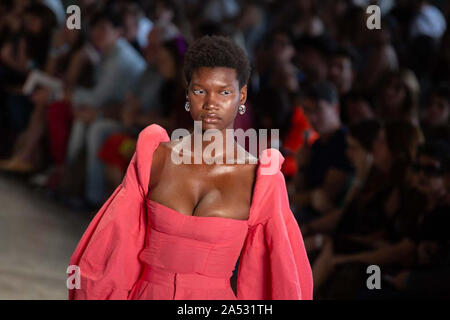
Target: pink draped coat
x,y
273,261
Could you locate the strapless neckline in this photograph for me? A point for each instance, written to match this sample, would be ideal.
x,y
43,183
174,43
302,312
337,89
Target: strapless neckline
x,y
177,213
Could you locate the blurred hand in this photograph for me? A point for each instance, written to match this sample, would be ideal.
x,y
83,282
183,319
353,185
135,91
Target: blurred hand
x,y
6,52
320,201
399,281
340,259
363,166
41,96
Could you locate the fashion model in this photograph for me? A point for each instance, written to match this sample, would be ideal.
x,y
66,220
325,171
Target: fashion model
x,y
175,230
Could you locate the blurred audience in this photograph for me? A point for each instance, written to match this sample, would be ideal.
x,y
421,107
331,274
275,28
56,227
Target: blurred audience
x,y
362,114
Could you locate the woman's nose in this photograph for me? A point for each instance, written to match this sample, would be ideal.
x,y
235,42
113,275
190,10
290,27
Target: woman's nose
x,y
210,102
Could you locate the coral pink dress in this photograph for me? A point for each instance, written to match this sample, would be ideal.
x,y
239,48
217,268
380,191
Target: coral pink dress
x,y
136,248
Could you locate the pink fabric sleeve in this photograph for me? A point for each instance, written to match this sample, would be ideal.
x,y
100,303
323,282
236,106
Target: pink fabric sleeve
x,y
108,253
273,263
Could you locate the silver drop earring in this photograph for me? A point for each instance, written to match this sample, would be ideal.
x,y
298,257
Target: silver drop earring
x,y
187,106
242,109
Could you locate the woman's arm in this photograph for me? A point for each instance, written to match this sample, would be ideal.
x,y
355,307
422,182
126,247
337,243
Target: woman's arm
x,y
76,66
324,224
403,253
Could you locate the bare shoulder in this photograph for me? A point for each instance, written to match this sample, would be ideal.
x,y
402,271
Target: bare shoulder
x,y
158,161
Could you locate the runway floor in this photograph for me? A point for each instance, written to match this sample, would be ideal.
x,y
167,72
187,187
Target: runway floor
x,y
37,238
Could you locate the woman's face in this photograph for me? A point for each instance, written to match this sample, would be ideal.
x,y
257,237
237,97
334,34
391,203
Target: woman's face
x,y
214,97
165,64
162,12
381,154
438,111
282,48
427,177
33,24
130,26
394,94
153,45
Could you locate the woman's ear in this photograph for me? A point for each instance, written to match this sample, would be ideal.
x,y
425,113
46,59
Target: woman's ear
x,y
243,94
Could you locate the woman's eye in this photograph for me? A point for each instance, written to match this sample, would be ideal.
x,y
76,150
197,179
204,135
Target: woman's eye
x,y
198,91
226,92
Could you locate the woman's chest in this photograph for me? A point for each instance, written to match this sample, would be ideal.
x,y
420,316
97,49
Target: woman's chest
x,y
206,190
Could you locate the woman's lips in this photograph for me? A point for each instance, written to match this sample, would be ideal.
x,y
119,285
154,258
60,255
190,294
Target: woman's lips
x,y
212,118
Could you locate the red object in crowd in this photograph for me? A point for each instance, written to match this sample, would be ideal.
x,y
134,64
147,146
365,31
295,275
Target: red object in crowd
x,y
299,133
59,124
112,152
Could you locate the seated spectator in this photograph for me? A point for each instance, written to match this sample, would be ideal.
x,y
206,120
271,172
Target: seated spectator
x,y
24,47
170,15
27,48
302,17
398,97
119,68
376,227
429,277
325,168
379,58
274,65
360,142
437,110
356,107
158,97
311,58
342,70
68,63
136,26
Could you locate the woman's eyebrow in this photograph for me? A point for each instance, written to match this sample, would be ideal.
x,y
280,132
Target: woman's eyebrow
x,y
220,86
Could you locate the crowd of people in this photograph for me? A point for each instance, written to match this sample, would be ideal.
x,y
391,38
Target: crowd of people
x,y
363,116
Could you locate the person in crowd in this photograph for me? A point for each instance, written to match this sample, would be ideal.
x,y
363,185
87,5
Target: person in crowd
x,y
311,58
356,107
398,97
342,70
360,141
66,62
119,68
378,58
437,110
428,277
302,17
376,227
325,168
143,108
28,29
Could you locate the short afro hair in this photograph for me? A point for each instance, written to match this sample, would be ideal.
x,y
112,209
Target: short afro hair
x,y
217,51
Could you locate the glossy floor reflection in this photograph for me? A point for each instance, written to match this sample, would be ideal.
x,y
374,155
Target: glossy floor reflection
x,y
37,238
